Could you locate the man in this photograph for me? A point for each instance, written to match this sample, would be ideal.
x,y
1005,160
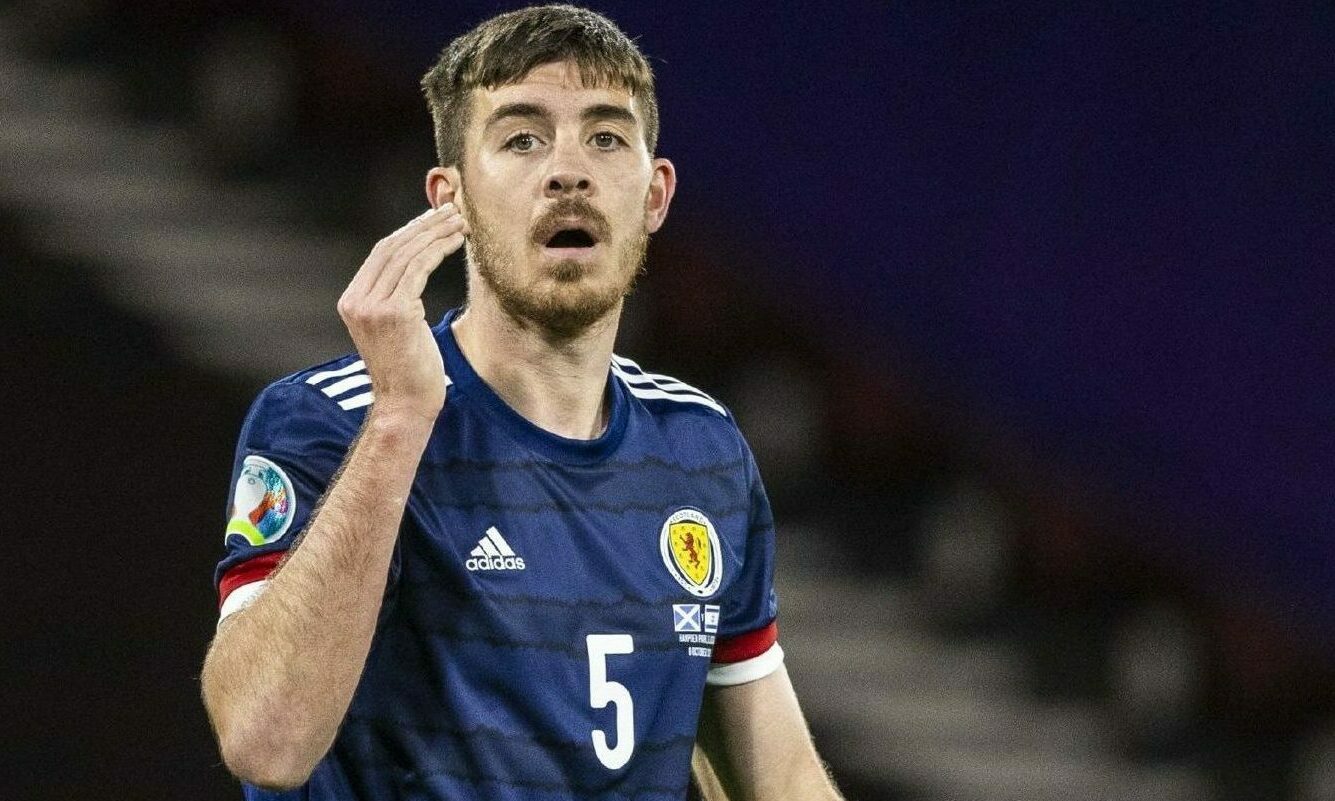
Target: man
x,y
489,559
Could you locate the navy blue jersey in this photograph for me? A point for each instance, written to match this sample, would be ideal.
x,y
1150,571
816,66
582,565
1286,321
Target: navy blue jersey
x,y
554,607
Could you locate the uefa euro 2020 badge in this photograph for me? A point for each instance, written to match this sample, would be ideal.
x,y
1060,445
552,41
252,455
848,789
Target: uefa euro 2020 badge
x,y
263,504
691,552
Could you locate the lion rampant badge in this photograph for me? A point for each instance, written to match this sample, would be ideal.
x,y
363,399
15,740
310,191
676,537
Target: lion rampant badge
x,y
691,552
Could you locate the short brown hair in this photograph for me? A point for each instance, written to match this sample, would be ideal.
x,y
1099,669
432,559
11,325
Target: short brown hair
x,y
507,47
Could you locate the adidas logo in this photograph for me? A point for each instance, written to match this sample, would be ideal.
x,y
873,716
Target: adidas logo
x,y
493,553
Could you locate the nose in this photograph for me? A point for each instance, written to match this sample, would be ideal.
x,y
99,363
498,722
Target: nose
x,y
568,182
569,174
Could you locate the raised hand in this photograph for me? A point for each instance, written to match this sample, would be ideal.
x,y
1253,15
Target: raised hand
x,y
382,308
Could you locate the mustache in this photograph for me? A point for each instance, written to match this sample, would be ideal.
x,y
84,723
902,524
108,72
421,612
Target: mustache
x,y
559,216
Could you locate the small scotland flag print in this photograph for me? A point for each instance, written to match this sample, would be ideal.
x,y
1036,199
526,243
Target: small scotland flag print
x,y
686,617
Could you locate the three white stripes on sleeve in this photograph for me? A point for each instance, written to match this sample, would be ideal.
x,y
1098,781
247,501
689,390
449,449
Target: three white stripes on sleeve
x,y
352,377
352,383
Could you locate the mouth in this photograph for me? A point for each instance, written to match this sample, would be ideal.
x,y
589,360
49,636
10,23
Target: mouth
x,y
572,239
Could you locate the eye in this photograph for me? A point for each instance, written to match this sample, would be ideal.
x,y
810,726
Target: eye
x,y
521,142
607,141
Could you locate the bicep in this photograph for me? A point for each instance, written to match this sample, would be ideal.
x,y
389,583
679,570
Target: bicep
x,y
756,739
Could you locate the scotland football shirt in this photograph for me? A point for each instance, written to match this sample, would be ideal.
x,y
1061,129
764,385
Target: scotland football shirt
x,y
554,607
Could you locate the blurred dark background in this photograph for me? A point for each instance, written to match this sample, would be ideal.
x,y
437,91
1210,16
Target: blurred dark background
x,y
1025,309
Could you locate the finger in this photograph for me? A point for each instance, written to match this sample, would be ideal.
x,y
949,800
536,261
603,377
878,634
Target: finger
x,y
421,219
398,262
366,277
419,270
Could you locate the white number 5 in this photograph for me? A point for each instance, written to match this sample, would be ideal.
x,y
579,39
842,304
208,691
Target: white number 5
x,y
602,692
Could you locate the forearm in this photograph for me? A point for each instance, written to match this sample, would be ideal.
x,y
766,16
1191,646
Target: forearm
x,y
705,778
755,742
279,676
798,774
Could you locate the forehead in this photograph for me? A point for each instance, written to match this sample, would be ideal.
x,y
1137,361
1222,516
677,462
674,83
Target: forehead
x,y
557,86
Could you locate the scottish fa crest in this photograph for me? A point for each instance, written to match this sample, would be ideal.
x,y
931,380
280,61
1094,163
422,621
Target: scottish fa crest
x,y
691,552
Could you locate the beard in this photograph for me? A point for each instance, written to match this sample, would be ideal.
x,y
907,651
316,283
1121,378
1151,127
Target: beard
x,y
575,302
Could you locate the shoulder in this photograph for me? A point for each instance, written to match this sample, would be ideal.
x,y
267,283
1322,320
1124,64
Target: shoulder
x,y
697,429
332,395
665,394
677,406
344,381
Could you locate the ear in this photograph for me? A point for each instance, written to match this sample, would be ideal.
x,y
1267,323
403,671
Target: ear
x,y
443,185
662,185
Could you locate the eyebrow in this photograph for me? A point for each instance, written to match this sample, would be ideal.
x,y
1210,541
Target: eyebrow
x,y
515,110
608,111
600,111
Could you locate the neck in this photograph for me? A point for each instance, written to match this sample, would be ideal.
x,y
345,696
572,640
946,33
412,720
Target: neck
x,y
557,382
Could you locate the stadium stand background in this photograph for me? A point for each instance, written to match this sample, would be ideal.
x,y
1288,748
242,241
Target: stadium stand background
x,y
1025,313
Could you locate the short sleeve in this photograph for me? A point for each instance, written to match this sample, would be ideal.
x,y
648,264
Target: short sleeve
x,y
747,646
291,444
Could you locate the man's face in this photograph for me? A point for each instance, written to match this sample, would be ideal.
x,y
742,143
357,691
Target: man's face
x,y
561,196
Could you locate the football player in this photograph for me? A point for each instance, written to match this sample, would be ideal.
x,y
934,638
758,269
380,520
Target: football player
x,y
488,558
